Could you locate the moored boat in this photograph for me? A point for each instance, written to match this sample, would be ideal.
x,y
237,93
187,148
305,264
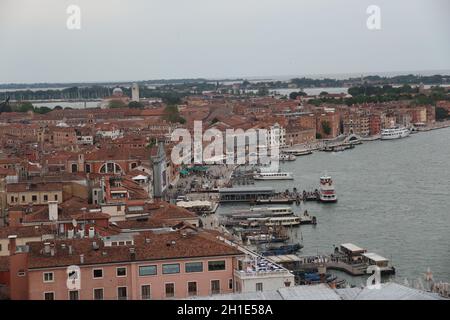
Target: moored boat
x,y
394,133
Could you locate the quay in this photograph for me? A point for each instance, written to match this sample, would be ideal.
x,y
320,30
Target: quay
x,y
349,258
245,194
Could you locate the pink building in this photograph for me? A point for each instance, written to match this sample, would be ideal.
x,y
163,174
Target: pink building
x,y
159,264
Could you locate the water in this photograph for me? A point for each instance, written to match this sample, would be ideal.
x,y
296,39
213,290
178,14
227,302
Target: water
x,y
393,200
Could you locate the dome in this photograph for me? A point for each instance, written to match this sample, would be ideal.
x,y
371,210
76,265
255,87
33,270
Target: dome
x,y
117,92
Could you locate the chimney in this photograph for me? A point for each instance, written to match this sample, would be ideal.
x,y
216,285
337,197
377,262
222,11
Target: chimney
x,y
12,244
81,258
53,210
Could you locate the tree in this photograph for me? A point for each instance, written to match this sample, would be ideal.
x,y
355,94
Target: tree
x,y
323,93
116,104
441,113
136,105
42,110
318,135
25,107
294,95
172,114
326,127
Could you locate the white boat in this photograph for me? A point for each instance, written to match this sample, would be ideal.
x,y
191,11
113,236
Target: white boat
x,y
326,190
287,157
273,211
278,221
273,176
394,133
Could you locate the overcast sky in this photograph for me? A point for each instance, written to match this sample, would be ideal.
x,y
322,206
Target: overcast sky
x,y
153,39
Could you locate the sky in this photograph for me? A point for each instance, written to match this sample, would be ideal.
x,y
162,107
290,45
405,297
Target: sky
x,y
126,40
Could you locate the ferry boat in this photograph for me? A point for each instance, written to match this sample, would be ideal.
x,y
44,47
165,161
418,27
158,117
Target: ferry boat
x,y
278,221
266,238
275,211
394,133
273,176
326,190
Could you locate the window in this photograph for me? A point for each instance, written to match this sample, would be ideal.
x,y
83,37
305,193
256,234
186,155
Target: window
x,y
230,284
49,296
45,197
48,276
34,198
170,290
56,197
145,292
73,295
122,293
216,265
121,272
97,273
215,286
193,267
259,286
88,168
192,288
23,198
171,268
98,294
147,270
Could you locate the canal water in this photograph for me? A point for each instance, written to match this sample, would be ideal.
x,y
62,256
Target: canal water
x,y
393,200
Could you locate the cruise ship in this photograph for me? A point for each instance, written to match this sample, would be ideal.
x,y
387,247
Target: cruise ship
x,y
394,133
326,190
273,176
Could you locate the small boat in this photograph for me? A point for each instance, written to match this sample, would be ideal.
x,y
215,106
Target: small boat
x,y
306,218
273,176
287,157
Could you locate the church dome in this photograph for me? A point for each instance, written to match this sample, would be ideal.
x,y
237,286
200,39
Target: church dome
x,y
117,92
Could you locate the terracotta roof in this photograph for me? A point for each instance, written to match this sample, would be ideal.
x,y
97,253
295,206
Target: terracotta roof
x,y
147,245
30,187
25,232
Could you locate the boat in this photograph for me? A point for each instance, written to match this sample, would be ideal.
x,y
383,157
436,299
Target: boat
x,y
275,211
274,200
266,238
306,218
273,176
326,190
287,157
281,250
278,221
394,133
298,153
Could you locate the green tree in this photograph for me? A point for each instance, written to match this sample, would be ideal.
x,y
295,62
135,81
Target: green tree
x,y
25,107
318,135
441,114
136,105
326,127
116,104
